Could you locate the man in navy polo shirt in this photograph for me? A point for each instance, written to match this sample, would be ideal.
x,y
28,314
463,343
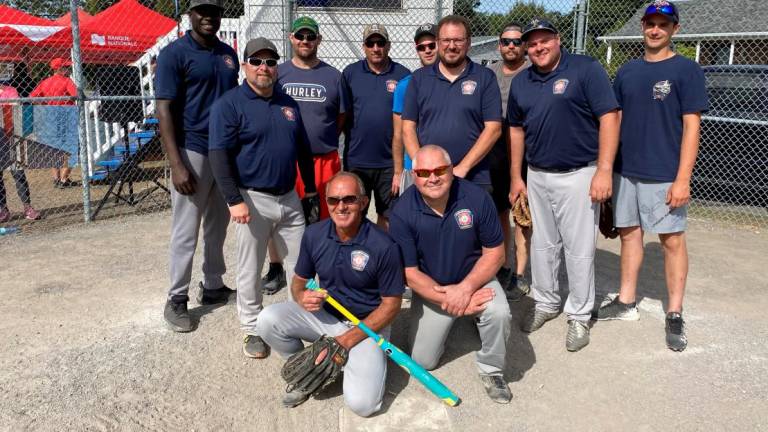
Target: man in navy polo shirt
x,y
367,88
455,104
257,139
452,245
562,113
192,72
662,96
361,267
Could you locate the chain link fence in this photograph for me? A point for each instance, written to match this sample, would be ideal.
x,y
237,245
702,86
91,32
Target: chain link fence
x,y
77,95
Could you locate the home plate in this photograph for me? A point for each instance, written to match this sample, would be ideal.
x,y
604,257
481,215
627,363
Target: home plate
x,y
410,410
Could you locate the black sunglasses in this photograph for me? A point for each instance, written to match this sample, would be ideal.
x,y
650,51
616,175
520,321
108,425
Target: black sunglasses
x,y
347,199
310,37
425,46
515,41
255,61
381,43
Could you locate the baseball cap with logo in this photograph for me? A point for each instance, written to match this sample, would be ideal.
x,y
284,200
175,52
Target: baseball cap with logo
x,y
375,29
259,44
305,22
538,24
426,29
195,3
664,8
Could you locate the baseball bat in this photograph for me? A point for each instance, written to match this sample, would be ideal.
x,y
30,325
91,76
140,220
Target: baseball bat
x,y
400,358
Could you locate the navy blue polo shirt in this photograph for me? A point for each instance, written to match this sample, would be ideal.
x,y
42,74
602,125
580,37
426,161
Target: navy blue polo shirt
x,y
264,137
446,247
559,111
193,77
358,272
654,96
367,100
453,114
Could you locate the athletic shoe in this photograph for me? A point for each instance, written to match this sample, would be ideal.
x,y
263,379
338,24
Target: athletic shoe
x,y
518,288
177,317
30,213
616,310
675,327
496,388
67,183
273,281
213,296
535,319
5,214
255,347
578,335
295,398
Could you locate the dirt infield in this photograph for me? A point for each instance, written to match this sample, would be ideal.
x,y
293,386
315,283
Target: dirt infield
x,y
84,348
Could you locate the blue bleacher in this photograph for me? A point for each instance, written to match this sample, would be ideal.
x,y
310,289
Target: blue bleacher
x,y
120,153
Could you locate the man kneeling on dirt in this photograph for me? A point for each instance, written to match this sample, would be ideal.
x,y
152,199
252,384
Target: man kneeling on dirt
x,y
360,266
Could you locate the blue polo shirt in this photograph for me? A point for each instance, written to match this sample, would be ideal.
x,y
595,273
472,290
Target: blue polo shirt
x,y
358,272
264,137
193,77
654,96
453,114
446,247
366,96
559,111
397,108
317,91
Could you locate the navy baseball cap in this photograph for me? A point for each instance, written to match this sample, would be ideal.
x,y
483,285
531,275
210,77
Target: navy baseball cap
x,y
663,8
426,29
195,3
538,24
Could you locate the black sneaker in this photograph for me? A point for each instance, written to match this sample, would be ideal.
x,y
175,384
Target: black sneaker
x,y
675,328
518,288
496,388
213,296
295,398
177,317
255,347
616,310
274,280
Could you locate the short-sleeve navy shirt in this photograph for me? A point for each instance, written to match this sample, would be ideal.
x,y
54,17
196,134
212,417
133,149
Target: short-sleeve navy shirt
x,y
358,272
446,247
192,77
654,96
262,136
367,100
453,114
559,111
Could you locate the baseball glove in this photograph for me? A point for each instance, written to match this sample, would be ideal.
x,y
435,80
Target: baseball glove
x,y
607,228
311,208
520,212
307,372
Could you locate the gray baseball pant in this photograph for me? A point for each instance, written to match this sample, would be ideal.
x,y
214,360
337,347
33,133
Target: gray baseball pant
x,y
276,217
206,205
564,218
430,326
284,325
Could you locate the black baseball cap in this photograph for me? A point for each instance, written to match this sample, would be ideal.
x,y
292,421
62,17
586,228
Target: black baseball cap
x,y
538,24
426,29
663,8
195,3
259,44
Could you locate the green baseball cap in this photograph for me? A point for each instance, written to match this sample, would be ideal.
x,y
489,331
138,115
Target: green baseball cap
x,y
305,22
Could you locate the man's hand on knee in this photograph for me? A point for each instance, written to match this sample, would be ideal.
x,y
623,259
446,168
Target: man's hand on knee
x,y
457,298
479,301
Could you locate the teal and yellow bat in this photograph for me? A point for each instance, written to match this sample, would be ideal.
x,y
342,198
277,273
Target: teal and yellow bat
x,y
402,359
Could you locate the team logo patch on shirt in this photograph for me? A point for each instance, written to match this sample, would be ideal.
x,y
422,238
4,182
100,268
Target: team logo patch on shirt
x,y
391,85
359,260
560,86
468,87
289,113
464,218
662,89
229,61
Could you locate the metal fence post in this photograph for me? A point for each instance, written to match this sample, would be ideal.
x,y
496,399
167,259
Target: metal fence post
x,y
77,74
289,12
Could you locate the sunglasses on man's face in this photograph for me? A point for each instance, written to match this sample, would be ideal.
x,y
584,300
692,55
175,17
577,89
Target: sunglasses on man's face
x,y
381,43
426,46
309,37
514,41
255,61
426,173
346,199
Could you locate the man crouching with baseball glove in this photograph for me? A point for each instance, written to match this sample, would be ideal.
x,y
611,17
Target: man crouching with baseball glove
x,y
360,266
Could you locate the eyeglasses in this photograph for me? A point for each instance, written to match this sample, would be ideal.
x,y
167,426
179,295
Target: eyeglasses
x,y
255,61
346,199
426,46
381,43
309,37
458,42
426,173
516,41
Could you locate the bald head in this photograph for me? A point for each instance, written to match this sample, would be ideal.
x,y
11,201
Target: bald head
x,y
433,154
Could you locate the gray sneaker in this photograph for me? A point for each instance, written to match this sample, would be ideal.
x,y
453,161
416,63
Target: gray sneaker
x,y
255,347
616,310
518,288
213,296
675,328
273,281
177,317
578,335
295,398
535,319
496,388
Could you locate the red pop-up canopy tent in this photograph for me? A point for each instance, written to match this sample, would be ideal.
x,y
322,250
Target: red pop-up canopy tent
x,y
19,30
83,18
